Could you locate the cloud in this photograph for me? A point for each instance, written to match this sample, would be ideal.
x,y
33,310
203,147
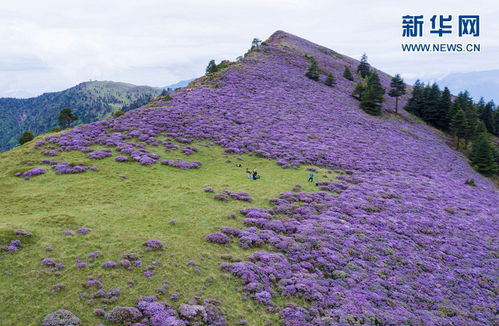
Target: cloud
x,y
59,43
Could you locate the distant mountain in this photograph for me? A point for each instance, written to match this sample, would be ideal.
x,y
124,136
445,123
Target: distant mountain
x,y
90,101
180,84
479,83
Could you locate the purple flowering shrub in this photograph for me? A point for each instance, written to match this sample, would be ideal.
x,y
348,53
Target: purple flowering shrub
x,y
218,237
226,195
83,231
99,155
184,165
123,315
33,172
61,317
153,245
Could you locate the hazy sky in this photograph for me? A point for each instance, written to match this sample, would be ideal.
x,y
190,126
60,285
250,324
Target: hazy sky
x,y
51,45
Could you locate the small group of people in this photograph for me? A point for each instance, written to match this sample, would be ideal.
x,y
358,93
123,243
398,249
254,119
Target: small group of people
x,y
252,174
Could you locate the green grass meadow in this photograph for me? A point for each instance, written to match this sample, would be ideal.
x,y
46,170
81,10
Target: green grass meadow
x,y
123,213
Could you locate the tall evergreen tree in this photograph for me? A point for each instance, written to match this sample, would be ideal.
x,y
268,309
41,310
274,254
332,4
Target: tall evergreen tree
x,y
496,122
26,137
359,89
347,74
486,114
430,108
482,154
471,124
397,89
444,106
458,125
212,67
416,102
372,97
330,80
313,71
66,118
364,67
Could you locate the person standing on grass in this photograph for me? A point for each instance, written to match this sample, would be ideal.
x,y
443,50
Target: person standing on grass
x,y
311,177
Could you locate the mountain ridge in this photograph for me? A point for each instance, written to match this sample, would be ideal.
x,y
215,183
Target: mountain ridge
x,y
91,101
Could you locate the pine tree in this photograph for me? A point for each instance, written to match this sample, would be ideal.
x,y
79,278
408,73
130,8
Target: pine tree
x,y
313,71
26,137
444,106
482,154
397,89
372,98
364,68
487,116
496,123
359,89
330,80
212,67
471,125
347,74
66,118
458,124
416,102
429,112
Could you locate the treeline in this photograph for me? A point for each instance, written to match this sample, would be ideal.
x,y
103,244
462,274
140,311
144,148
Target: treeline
x,y
468,122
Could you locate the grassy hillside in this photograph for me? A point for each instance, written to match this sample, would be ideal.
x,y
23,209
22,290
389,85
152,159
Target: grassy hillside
x,y
122,214
394,234
91,101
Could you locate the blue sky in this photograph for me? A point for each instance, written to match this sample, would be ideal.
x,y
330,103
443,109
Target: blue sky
x,y
54,44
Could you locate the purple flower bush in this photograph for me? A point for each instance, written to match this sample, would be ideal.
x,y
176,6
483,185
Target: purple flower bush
x,y
226,195
219,238
153,245
99,155
14,246
33,172
121,158
109,264
69,168
83,231
50,153
48,262
182,164
61,317
399,239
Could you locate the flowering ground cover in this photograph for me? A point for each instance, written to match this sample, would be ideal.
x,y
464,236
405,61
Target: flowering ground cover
x,y
390,235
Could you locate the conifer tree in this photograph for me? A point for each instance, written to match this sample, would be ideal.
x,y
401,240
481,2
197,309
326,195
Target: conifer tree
x,y
313,71
26,137
372,97
364,68
444,106
416,102
397,89
212,67
458,125
430,109
347,74
66,118
487,116
482,153
330,80
471,124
